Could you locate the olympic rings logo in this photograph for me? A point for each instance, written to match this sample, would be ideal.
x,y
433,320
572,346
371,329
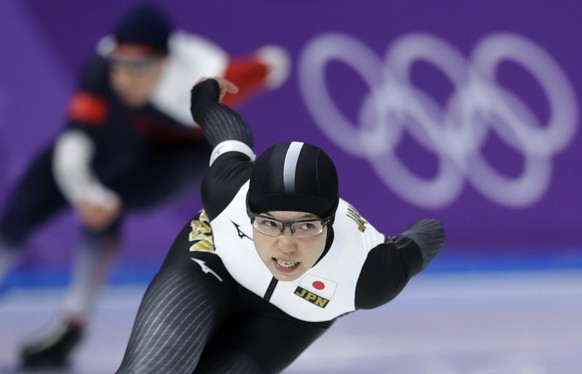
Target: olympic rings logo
x,y
455,133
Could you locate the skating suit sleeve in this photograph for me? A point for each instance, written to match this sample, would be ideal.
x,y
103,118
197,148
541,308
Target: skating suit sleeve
x,y
390,265
89,106
232,156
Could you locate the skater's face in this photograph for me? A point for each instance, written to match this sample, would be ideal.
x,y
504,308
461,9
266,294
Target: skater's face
x,y
287,254
134,72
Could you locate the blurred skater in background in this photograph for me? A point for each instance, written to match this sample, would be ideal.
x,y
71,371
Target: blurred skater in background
x,y
130,144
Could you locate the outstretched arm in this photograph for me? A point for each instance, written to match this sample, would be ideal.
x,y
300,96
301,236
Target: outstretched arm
x,y
97,205
232,143
224,129
390,265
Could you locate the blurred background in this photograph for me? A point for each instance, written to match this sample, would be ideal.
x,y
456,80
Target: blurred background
x,y
459,110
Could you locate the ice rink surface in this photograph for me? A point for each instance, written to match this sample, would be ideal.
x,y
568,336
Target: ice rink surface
x,y
524,322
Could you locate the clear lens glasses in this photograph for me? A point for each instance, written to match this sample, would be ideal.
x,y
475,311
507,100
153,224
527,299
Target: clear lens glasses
x,y
301,229
131,63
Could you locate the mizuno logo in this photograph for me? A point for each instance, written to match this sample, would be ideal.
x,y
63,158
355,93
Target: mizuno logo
x,y
205,268
240,233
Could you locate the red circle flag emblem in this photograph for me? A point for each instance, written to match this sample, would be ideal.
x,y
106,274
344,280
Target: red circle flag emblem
x,y
318,285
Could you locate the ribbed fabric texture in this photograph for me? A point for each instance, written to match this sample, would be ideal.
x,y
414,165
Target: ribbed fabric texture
x,y
221,123
218,121
172,327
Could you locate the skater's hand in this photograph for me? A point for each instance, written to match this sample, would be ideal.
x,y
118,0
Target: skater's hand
x,y
224,86
98,216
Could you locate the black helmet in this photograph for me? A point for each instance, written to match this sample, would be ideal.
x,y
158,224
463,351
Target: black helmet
x,y
294,176
146,25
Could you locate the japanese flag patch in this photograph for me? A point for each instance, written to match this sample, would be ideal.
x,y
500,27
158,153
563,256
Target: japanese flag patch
x,y
316,290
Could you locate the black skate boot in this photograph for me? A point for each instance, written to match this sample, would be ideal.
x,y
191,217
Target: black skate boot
x,y
51,352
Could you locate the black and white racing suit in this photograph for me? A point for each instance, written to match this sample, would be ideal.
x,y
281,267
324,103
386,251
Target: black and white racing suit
x,y
214,307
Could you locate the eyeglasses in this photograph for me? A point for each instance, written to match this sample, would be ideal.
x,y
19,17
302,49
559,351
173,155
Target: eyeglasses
x,y
301,229
133,64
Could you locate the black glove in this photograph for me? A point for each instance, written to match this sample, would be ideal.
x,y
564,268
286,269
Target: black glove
x,y
206,91
428,235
